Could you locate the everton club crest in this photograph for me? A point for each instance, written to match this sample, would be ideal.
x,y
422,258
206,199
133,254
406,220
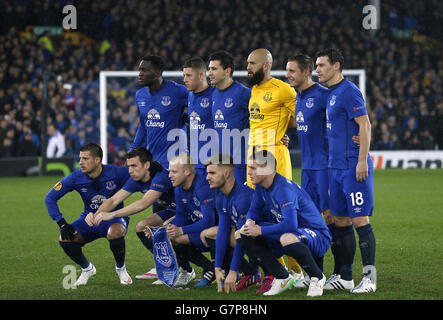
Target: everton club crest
x,y
310,103
166,101
204,103
268,96
162,254
229,103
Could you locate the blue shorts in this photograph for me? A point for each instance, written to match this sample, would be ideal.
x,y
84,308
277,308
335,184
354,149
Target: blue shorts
x,y
317,240
348,197
316,184
165,214
90,234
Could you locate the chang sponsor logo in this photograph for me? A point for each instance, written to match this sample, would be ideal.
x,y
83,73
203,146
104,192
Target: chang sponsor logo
x,y
299,119
194,121
152,117
97,201
218,118
277,215
196,216
254,112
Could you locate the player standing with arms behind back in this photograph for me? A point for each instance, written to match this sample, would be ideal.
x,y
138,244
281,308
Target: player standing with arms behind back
x,y
350,173
199,108
230,110
161,104
310,117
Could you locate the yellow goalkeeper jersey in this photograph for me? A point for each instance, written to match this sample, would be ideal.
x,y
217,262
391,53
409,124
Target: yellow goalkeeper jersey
x,y
270,107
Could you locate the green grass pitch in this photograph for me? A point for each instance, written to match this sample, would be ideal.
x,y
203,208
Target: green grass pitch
x,y
407,221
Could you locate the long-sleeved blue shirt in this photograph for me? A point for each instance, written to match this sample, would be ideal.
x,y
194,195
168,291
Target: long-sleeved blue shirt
x,y
195,208
232,210
310,116
286,206
159,182
92,191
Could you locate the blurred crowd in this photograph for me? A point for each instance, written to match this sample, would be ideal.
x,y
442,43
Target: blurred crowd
x,y
402,60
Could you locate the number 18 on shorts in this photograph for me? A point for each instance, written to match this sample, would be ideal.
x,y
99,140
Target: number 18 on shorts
x,y
348,197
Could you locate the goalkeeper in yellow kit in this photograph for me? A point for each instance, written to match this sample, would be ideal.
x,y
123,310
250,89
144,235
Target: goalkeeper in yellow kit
x,y
271,106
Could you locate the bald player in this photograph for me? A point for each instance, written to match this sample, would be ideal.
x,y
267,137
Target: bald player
x,y
271,106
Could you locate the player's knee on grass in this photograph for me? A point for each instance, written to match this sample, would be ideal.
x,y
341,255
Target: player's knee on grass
x,y
116,231
287,239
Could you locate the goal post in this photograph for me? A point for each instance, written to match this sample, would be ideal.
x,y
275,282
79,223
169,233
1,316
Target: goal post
x,y
104,75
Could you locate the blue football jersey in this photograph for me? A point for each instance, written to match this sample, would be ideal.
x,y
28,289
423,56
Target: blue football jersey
x,y
230,111
310,116
232,210
234,207
161,128
345,102
159,182
92,191
200,121
195,208
286,206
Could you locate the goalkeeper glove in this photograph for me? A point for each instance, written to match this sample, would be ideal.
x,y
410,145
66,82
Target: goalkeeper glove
x,y
66,230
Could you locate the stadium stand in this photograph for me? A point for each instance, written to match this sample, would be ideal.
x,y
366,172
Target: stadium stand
x,y
402,60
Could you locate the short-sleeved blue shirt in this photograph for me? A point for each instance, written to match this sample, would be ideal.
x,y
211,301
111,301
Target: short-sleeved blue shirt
x,y
310,116
345,102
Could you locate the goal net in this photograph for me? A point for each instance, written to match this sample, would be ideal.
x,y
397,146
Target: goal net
x,y
117,104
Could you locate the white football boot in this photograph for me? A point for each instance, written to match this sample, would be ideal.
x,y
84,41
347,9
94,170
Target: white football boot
x,y
316,286
158,282
184,277
335,282
123,275
87,273
369,281
303,283
280,285
151,274
298,277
